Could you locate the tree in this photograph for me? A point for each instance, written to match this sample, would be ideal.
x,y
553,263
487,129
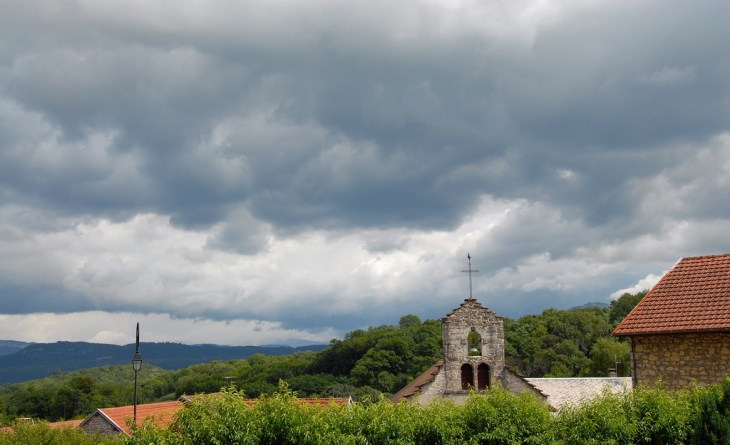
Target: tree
x,y
621,307
604,355
408,321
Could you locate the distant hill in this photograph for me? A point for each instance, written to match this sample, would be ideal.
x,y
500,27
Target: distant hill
x,y
590,305
10,346
39,360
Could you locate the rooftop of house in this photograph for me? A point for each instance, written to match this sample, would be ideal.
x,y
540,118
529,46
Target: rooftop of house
x,y
572,391
66,423
694,296
415,386
161,414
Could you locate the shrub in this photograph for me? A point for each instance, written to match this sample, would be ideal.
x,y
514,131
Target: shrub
x,y
712,415
603,420
501,417
41,433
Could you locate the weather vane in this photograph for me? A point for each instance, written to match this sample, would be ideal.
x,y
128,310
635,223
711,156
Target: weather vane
x,y
470,270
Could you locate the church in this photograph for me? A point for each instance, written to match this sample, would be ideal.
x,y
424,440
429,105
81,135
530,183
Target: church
x,y
473,345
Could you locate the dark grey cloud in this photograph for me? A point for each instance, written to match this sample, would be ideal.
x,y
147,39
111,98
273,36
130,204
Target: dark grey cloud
x,y
219,140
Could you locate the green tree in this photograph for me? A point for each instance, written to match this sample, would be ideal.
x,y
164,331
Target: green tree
x,y
604,355
712,417
409,321
621,307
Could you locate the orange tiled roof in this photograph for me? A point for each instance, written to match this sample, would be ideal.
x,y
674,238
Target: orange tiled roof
x,y
161,414
66,423
693,296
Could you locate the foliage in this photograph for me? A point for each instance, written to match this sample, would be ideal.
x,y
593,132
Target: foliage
x,y
620,308
604,355
712,416
643,416
555,343
40,433
501,417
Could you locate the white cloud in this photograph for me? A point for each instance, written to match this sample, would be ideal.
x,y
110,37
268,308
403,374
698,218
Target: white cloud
x,y
645,283
119,328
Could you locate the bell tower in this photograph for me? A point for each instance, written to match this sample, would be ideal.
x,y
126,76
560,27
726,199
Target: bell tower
x,y
473,339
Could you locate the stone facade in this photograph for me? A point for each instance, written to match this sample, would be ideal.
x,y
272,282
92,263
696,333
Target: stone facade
x,y
469,317
459,373
98,424
680,359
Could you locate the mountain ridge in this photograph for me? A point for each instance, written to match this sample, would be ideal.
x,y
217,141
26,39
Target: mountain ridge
x,y
40,360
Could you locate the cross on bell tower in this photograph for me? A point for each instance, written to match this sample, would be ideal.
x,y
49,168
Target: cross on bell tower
x,y
470,270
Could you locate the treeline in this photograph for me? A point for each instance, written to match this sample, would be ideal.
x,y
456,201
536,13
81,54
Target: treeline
x,y
570,343
363,365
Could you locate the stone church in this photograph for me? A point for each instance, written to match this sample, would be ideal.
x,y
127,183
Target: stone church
x,y
473,344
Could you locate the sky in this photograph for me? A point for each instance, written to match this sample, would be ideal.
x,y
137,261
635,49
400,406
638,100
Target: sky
x,y
254,172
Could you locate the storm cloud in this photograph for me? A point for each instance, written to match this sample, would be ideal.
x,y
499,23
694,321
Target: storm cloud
x,y
319,166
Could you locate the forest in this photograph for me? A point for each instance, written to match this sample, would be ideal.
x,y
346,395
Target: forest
x,y
363,365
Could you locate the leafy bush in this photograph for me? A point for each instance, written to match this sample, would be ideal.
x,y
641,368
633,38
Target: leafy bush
x,y
501,417
603,420
40,433
712,415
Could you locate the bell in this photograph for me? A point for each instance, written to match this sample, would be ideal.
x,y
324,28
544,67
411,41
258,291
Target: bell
x,y
473,349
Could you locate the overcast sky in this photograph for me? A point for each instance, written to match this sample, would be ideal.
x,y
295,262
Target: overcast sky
x,y
248,172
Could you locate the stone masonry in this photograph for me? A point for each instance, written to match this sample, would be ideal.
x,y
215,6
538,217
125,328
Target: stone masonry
x,y
471,316
97,424
680,359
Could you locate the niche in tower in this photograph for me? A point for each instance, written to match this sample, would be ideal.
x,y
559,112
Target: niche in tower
x,y
467,376
474,343
482,377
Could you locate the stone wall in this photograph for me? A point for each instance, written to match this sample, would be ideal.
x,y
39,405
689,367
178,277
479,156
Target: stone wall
x,y
471,316
434,389
516,383
680,359
98,424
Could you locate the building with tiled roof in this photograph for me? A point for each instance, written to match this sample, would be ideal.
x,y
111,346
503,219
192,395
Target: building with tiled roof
x,y
113,421
473,338
680,331
573,391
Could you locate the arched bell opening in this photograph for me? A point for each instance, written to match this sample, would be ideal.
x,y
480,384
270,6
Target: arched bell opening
x,y
467,377
474,343
483,377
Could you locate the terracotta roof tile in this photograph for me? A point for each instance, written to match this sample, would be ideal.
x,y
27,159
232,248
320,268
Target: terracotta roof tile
x,y
66,423
693,296
160,413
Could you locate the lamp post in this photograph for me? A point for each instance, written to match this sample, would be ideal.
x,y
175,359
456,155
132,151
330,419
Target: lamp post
x,y
136,365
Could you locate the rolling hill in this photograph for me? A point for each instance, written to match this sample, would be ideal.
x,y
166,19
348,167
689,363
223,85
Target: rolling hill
x,y
39,360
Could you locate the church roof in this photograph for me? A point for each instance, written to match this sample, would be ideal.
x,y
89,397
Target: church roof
x,y
572,391
415,386
693,296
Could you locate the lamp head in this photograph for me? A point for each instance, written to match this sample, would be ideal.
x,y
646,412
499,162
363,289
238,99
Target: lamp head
x,y
137,361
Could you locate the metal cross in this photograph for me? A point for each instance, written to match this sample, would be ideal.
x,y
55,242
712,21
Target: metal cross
x,y
470,270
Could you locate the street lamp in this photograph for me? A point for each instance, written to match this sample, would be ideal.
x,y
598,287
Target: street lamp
x,y
136,365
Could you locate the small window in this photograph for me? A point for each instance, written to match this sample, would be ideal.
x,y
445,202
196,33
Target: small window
x,y
474,343
482,377
467,377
